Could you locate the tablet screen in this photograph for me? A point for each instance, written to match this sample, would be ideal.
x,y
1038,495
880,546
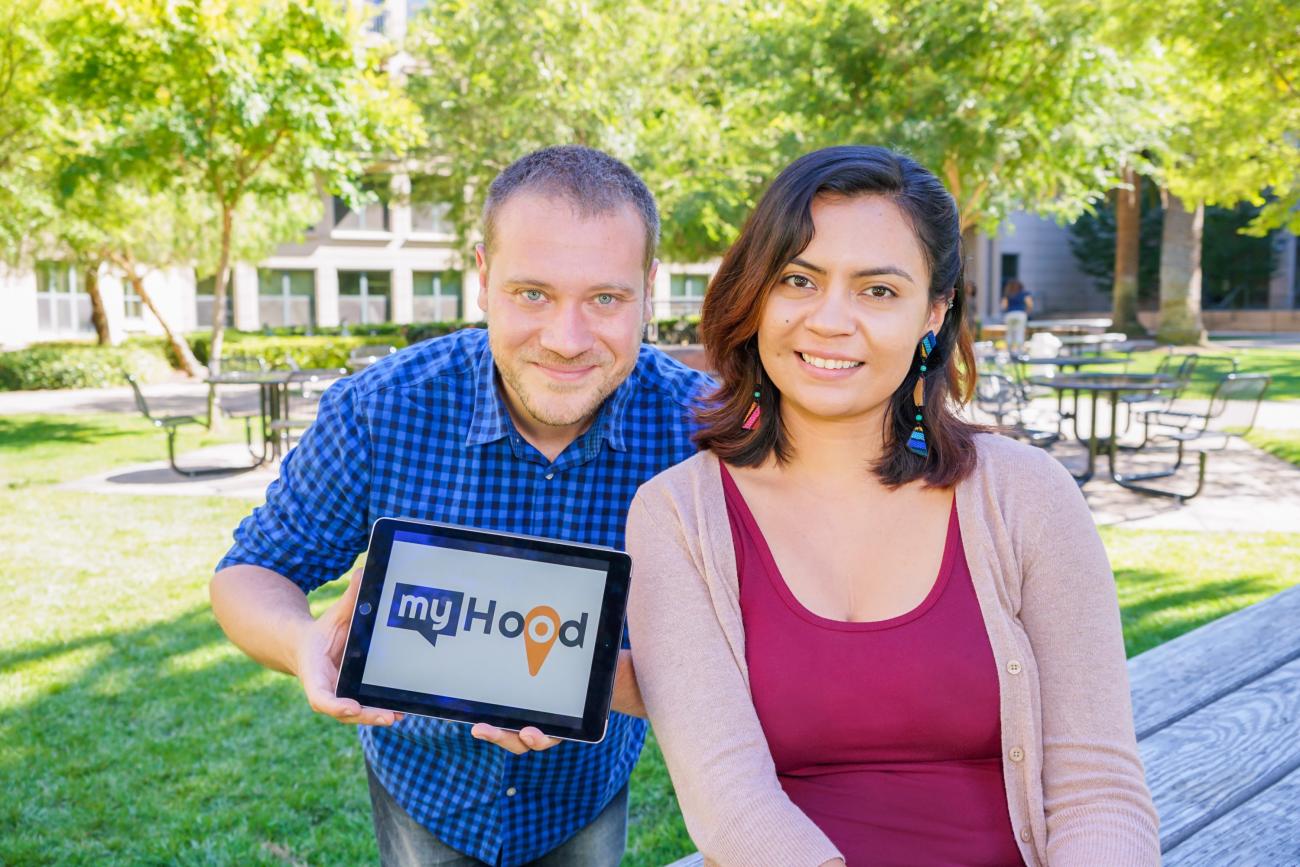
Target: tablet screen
x,y
453,615
477,626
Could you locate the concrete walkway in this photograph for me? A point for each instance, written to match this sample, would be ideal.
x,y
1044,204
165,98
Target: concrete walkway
x,y
170,398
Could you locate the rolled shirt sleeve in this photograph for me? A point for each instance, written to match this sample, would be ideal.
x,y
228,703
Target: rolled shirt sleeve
x,y
315,520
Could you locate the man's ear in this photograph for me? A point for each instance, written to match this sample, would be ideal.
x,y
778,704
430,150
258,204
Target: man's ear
x,y
480,259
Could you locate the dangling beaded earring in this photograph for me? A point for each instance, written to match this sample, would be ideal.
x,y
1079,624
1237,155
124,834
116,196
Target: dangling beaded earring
x,y
916,442
751,417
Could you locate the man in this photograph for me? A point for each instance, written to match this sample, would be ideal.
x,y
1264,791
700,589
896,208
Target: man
x,y
545,424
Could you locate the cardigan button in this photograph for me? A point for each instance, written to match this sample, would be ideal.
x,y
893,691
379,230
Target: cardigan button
x,y
1014,667
1024,834
1017,754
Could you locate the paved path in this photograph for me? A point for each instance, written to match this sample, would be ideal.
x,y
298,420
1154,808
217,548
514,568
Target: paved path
x,y
171,398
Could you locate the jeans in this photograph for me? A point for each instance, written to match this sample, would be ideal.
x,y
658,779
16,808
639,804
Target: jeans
x,y
404,842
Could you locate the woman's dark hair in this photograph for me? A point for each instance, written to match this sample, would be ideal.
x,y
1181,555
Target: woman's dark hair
x,y
1013,288
779,229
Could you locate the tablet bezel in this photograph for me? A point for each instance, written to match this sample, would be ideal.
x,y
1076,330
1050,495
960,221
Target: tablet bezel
x,y
609,633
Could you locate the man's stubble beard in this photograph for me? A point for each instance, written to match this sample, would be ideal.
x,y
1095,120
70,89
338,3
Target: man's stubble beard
x,y
510,374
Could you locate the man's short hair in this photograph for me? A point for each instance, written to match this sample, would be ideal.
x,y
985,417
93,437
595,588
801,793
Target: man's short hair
x,y
593,182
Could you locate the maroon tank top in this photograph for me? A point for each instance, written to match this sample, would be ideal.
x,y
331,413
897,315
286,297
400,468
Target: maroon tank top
x,y
887,734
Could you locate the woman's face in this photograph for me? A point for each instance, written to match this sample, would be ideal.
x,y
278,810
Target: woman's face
x,y
839,330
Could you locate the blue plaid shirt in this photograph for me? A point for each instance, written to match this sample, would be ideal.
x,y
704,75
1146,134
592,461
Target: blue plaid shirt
x,y
424,434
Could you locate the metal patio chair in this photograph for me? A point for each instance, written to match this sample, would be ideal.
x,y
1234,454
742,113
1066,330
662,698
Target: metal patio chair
x,y
170,424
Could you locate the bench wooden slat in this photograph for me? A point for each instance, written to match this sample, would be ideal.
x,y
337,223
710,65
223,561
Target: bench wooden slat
x,y
1261,831
1208,764
1193,670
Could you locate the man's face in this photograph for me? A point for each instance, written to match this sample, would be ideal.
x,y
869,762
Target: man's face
x,y
567,299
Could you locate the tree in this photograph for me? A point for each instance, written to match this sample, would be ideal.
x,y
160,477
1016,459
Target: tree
x,y
1128,222
27,115
1011,106
226,100
1223,73
497,79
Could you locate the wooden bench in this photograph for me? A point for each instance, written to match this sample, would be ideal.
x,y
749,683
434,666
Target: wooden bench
x,y
1217,712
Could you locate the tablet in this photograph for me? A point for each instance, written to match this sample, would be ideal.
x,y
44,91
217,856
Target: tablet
x,y
478,626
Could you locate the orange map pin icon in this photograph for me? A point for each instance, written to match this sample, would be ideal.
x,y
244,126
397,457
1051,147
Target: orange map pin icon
x,y
541,628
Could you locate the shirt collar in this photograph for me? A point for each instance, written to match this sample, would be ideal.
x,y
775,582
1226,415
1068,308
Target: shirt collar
x,y
491,419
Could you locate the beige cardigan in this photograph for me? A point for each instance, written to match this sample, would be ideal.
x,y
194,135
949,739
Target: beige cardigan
x,y
1075,785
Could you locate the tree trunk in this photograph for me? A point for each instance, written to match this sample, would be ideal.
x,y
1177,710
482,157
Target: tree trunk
x,y
1180,273
219,310
98,316
1128,216
969,238
189,363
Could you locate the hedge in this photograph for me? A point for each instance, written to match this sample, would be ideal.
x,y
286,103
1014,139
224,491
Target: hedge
x,y
319,350
82,365
78,365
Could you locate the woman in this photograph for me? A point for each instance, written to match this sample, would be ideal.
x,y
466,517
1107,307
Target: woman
x,y
820,696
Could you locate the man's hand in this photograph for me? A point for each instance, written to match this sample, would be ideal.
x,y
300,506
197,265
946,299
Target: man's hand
x,y
319,654
529,738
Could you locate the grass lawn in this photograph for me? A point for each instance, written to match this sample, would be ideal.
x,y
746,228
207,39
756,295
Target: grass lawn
x,y
1283,365
1283,444
132,732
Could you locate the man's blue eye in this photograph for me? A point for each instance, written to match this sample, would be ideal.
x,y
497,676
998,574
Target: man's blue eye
x,y
533,294
605,299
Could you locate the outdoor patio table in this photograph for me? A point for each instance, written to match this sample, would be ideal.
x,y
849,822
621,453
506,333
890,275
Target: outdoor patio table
x,y
1095,384
1063,362
1077,344
1069,326
271,398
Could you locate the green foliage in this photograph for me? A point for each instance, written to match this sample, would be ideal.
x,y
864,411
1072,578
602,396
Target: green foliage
x,y
1236,267
1092,241
77,365
1227,78
27,124
276,351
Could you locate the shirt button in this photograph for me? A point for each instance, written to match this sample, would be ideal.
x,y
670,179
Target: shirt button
x,y
1024,834
1017,754
550,476
1013,667
511,792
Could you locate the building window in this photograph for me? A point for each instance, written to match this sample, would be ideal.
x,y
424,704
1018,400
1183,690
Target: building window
x,y
371,217
687,293
132,304
61,304
432,219
364,297
437,296
377,15
286,298
204,291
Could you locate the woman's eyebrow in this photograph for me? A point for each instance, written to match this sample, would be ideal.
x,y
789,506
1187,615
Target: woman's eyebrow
x,y
866,272
885,269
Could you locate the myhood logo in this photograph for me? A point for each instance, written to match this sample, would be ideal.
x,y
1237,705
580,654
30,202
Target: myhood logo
x,y
434,613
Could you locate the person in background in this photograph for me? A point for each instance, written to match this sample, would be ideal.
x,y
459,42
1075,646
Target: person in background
x,y
1017,305
865,630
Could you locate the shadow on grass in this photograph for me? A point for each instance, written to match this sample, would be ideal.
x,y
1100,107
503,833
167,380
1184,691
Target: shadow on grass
x,y
21,434
171,747
1163,606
